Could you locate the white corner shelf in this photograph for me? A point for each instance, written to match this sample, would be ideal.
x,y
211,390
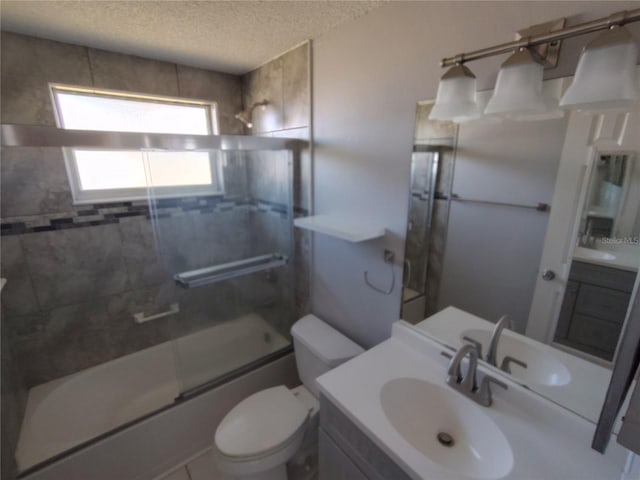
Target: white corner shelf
x,y
341,226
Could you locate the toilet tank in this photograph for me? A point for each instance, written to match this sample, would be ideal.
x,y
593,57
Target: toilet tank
x,y
319,348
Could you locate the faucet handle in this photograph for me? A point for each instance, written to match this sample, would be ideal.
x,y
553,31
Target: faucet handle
x,y
484,391
506,361
475,343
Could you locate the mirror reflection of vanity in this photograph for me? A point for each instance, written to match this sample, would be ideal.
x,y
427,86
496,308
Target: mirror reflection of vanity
x,y
539,221
605,259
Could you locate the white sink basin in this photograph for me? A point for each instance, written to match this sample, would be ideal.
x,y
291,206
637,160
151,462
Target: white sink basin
x,y
420,410
542,368
592,254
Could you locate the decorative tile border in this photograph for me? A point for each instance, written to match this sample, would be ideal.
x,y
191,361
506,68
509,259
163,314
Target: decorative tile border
x,y
265,206
111,213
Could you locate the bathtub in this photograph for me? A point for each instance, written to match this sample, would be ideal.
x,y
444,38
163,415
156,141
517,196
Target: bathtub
x,y
68,411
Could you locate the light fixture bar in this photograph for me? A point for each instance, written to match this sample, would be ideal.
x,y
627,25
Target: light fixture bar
x,y
619,18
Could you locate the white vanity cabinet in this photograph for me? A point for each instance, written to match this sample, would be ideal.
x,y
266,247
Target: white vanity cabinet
x,y
381,413
334,463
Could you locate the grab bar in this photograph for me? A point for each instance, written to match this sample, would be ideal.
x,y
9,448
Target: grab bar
x,y
225,271
140,318
540,207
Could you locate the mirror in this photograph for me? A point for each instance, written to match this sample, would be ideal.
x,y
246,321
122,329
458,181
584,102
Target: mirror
x,y
431,176
538,221
609,180
605,259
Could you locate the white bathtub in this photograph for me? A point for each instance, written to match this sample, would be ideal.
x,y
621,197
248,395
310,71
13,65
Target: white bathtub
x,y
71,410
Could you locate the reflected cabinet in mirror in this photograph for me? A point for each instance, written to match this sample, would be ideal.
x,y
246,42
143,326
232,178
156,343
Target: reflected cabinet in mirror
x,y
605,259
522,239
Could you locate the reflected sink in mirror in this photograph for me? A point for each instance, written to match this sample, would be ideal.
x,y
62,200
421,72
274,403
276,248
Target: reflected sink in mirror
x,y
447,428
589,253
559,376
541,368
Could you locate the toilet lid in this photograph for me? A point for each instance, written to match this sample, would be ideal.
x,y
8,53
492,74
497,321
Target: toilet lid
x,y
260,423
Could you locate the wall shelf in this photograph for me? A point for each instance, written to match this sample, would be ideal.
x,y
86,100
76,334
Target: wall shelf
x,y
225,271
346,228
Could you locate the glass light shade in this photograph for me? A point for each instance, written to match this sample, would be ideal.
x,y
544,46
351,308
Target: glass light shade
x,y
518,88
552,112
606,74
456,95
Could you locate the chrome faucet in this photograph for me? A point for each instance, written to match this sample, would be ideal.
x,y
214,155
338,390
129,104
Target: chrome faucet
x,y
587,239
467,384
492,353
492,350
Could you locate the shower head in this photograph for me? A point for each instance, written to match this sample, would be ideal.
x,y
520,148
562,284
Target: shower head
x,y
245,116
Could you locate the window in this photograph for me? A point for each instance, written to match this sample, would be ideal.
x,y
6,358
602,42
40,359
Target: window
x,y
99,175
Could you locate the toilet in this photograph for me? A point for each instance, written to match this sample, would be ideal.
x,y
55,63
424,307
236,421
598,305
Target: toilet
x,y
257,438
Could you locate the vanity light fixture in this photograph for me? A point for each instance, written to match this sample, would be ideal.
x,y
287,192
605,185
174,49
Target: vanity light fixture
x,y
518,88
605,77
246,115
606,74
456,97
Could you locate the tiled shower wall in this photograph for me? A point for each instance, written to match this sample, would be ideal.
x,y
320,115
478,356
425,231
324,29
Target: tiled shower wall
x,y
285,84
77,273
416,246
430,132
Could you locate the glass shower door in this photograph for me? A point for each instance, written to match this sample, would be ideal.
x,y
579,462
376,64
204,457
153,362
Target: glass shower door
x,y
229,254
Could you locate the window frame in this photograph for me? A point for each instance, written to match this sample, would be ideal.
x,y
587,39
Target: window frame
x,y
116,195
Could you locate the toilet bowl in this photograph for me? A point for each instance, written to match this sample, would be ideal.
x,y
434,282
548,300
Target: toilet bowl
x,y
263,432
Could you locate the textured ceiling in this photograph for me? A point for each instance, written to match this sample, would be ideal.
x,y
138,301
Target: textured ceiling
x,y
229,36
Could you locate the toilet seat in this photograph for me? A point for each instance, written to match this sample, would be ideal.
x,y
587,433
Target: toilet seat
x,y
262,424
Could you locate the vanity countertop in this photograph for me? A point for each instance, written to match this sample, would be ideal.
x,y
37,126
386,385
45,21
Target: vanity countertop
x,y
622,258
546,440
584,394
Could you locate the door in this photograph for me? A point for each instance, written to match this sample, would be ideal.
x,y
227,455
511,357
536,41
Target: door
x,y
586,136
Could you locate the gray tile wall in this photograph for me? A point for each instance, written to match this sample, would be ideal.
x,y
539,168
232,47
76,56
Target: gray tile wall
x,y
13,401
438,233
72,292
416,245
29,64
34,182
285,83
435,133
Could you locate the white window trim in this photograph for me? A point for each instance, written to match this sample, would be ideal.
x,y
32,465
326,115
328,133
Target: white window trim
x,y
84,197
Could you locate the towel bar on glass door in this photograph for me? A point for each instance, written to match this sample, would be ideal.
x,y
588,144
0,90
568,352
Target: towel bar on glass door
x,y
225,271
541,207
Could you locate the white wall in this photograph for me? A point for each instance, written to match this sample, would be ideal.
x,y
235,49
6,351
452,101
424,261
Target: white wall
x,y
367,77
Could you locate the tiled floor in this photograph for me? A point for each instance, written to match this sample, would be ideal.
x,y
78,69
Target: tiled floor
x,y
200,468
204,468
180,474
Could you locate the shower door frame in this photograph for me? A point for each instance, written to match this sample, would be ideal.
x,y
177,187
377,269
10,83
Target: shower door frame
x,y
12,135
